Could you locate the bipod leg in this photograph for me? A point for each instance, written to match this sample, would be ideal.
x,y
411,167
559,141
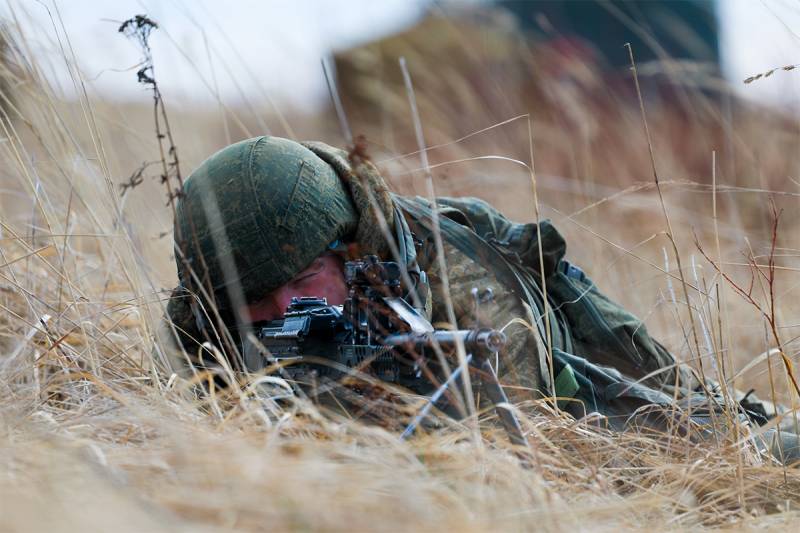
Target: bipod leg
x,y
503,409
435,397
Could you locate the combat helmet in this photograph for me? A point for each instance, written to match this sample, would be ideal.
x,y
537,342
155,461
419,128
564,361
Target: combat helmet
x,y
255,214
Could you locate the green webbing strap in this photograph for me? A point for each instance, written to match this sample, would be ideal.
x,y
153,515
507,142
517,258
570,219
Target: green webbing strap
x,y
566,385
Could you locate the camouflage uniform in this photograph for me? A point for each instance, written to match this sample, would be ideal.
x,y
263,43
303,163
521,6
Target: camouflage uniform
x,y
259,211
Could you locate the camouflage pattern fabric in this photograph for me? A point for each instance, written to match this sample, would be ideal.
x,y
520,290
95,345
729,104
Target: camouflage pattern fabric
x,y
519,362
368,191
479,264
615,363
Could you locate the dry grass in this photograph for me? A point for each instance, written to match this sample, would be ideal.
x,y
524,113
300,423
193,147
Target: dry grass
x,y
96,433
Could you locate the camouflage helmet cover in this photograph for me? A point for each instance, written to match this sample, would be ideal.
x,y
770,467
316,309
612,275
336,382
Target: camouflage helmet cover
x,y
258,212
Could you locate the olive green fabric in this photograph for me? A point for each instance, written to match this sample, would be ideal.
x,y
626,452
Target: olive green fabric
x,y
368,191
256,213
605,349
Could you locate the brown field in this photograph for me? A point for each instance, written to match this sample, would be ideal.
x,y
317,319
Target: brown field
x,y
97,432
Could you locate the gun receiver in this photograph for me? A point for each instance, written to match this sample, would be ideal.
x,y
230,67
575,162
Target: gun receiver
x,y
375,332
316,340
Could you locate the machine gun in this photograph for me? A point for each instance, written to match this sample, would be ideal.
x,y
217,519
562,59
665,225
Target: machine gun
x,y
375,332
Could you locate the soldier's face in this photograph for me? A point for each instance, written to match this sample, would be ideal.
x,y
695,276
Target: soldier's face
x,y
323,278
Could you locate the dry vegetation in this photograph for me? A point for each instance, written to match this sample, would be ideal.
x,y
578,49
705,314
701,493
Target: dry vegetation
x,y
97,433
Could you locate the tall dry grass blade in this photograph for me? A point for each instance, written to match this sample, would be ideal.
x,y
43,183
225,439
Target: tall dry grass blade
x,y
439,245
670,232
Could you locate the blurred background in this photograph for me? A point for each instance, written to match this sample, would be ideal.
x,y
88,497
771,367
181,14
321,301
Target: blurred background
x,y
493,79
243,49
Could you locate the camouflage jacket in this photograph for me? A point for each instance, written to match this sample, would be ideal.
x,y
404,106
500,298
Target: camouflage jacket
x,y
603,358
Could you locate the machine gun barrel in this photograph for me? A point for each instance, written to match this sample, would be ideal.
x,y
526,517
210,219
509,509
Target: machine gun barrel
x,y
480,342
